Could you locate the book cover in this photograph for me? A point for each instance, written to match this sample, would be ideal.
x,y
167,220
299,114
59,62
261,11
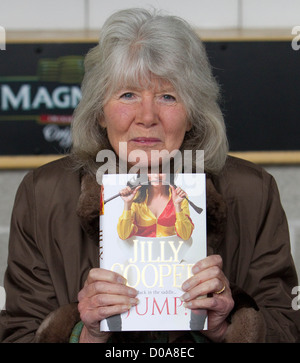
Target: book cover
x,y
154,241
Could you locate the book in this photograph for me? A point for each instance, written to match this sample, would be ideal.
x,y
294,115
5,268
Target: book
x,y
154,247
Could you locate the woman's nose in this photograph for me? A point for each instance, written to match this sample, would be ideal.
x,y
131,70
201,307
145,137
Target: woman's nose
x,y
147,115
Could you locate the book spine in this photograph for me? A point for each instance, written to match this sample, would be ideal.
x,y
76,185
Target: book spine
x,y
100,244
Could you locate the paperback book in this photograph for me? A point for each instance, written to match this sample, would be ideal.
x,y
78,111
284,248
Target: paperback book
x,y
152,232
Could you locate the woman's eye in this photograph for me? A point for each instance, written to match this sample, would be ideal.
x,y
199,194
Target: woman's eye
x,y
169,98
127,95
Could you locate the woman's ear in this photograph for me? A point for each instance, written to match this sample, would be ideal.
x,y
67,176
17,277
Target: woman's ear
x,y
102,122
188,126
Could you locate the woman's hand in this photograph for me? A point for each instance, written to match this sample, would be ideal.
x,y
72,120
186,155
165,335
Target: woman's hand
x,y
128,194
209,279
104,294
177,196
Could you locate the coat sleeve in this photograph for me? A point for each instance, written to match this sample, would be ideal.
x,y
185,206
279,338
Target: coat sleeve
x,y
271,275
30,295
126,225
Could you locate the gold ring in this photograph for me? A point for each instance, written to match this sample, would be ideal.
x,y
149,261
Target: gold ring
x,y
220,291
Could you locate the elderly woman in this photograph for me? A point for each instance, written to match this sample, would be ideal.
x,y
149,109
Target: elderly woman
x,y
148,83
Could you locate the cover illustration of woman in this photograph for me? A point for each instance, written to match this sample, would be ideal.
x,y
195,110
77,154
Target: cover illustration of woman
x,y
155,210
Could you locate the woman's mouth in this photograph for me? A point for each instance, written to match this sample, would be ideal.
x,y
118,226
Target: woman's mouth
x,y
146,140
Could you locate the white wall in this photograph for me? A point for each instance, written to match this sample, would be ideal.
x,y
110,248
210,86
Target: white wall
x,y
90,14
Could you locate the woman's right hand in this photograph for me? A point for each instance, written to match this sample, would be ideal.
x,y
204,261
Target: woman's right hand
x,y
128,194
104,294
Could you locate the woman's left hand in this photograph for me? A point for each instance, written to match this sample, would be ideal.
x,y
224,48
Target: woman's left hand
x,y
177,195
209,279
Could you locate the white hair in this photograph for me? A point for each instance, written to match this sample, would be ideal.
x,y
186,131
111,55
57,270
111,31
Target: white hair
x,y
135,46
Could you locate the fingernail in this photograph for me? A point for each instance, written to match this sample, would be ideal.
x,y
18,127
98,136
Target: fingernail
x,y
195,269
187,305
185,297
132,292
121,280
134,301
185,286
126,307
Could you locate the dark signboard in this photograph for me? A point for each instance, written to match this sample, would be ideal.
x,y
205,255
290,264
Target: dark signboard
x,y
40,87
260,83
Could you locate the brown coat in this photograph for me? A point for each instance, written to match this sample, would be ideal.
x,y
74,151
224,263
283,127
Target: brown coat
x,y
53,245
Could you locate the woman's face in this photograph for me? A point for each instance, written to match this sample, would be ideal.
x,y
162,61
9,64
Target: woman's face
x,y
146,119
157,179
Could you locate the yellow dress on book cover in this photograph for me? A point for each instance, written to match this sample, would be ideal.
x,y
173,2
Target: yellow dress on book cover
x,y
140,221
